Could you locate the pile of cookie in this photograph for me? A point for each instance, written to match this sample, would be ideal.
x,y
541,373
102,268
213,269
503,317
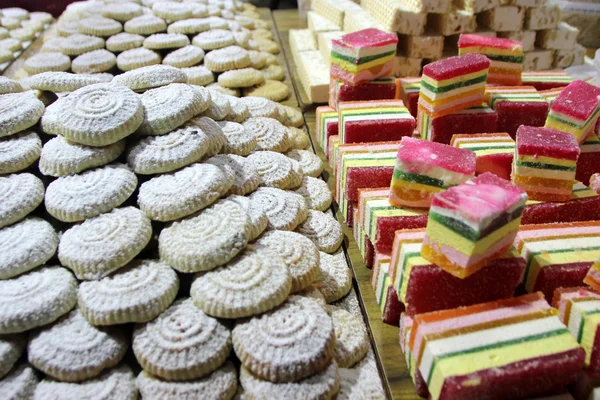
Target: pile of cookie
x,y
18,28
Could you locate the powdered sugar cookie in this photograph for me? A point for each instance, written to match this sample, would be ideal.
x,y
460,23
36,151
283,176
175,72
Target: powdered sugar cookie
x,y
316,193
182,344
6,55
216,138
204,241
82,196
294,117
168,107
73,350
94,62
20,383
189,26
78,43
219,107
227,58
273,73
8,85
20,194
361,382
245,175
265,45
217,22
116,383
59,157
19,151
16,13
221,384
239,141
137,58
172,11
244,77
44,62
239,111
99,26
272,90
96,115
19,111
275,169
323,385
36,298
11,349
184,57
26,245
136,293
213,39
162,41
176,195
124,12
314,294
298,138
299,253
324,230
270,134
147,24
257,59
252,283
41,16
336,276
105,243
309,162
297,176
289,343
215,87
199,75
199,11
150,77
284,209
258,218
261,34
241,38
352,342
261,107
166,153
124,41
61,81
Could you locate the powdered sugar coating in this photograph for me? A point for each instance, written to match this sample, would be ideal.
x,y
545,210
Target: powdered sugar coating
x,y
239,111
207,240
171,10
19,151
255,281
184,192
26,245
186,56
323,385
275,169
316,193
20,194
145,25
136,293
73,350
352,342
246,178
49,61
8,85
215,87
361,382
239,141
20,383
124,12
296,176
150,77
137,58
336,276
99,26
313,293
309,162
160,41
214,133
289,343
213,39
189,26
61,81
219,107
284,209
220,385
182,343
124,41
199,75
258,218
168,107
270,134
11,349
227,58
78,43
19,111
36,298
60,157
166,153
116,383
299,253
96,115
105,243
294,116
324,230
82,196
94,62
261,107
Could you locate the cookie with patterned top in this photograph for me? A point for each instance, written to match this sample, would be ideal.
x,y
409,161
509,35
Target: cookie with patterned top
x,y
273,73
316,193
163,41
58,82
190,26
270,134
20,383
12,348
239,111
17,152
285,209
99,26
227,58
124,41
298,138
19,111
270,89
241,78
94,62
323,229
78,44
219,107
246,178
213,39
199,75
258,218
213,131
187,56
20,194
336,276
238,140
150,77
124,12
8,85
172,11
352,342
147,24
45,62
275,169
137,58
309,162
261,107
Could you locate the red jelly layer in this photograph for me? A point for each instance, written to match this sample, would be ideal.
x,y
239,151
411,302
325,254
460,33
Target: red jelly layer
x,y
498,164
547,142
369,253
393,308
511,115
587,165
517,380
578,99
366,177
560,275
430,288
443,128
594,369
387,226
378,130
469,40
350,213
411,103
378,91
585,209
420,385
456,66
370,37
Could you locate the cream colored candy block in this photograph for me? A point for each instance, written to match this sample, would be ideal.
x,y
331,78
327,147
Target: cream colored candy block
x,y
357,21
395,17
502,19
451,42
426,46
324,42
538,18
428,6
538,60
314,75
301,40
567,58
563,37
318,23
525,37
524,3
407,66
452,23
476,6
334,10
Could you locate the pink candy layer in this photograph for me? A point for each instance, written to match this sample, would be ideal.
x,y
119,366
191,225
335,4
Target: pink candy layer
x,y
470,40
456,66
418,156
362,77
578,99
535,141
370,37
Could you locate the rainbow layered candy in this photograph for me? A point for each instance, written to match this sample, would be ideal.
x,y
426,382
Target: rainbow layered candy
x,y
589,159
494,151
546,80
409,93
506,56
453,84
514,348
575,110
377,89
545,162
479,119
327,125
473,224
406,323
362,56
424,168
